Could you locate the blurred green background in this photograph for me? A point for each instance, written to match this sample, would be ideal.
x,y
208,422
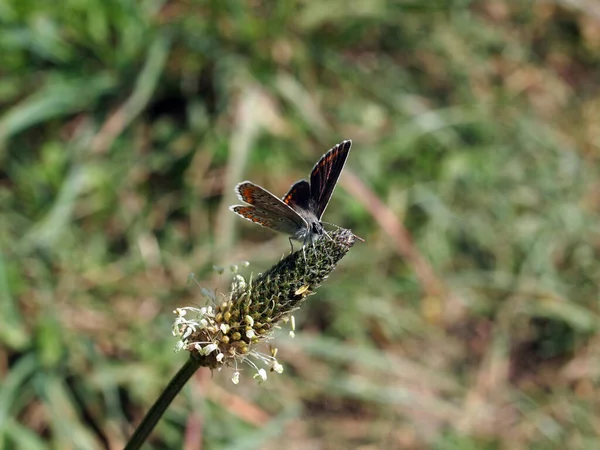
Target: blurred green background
x,y
467,320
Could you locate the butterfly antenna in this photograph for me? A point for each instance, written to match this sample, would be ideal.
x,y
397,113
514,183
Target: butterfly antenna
x,y
338,227
332,224
325,231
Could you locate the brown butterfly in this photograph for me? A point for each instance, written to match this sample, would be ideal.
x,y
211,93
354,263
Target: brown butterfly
x,y
299,213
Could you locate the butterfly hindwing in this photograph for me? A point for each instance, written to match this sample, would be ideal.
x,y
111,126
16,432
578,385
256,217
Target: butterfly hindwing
x,y
299,195
283,224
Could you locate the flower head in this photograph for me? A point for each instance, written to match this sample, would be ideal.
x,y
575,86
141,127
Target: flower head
x,y
229,331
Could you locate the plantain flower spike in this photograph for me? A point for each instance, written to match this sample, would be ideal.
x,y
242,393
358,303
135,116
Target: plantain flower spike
x,y
228,331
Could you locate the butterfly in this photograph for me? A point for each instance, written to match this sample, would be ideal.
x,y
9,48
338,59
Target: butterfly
x,y
299,212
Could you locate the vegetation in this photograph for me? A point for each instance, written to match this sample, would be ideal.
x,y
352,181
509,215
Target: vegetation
x,y
469,317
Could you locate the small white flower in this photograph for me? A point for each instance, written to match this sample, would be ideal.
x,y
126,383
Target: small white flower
x,y
245,263
179,346
250,333
261,376
208,349
235,379
206,311
220,357
239,282
292,334
276,367
224,328
249,320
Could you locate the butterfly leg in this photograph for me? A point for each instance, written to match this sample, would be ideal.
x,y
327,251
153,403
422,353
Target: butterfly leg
x,y
291,245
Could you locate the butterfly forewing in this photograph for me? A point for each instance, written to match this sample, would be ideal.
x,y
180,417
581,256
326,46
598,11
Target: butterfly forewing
x,y
325,174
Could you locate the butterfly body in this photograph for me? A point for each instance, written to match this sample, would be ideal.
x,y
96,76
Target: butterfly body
x,y
298,214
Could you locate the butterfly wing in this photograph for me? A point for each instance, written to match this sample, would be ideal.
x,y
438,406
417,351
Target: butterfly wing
x,y
266,219
325,175
299,195
267,210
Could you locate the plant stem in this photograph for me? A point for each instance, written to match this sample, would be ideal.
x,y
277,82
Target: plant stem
x,y
162,403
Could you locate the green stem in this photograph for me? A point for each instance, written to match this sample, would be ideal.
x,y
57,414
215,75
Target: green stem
x,y
162,403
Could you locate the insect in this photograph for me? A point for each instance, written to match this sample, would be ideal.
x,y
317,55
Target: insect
x,y
299,213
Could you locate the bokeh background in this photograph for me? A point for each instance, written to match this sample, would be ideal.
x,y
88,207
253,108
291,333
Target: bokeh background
x,y
467,320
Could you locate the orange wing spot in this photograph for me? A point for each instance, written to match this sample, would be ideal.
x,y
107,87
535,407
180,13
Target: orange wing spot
x,y
331,155
327,158
248,213
247,192
288,197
